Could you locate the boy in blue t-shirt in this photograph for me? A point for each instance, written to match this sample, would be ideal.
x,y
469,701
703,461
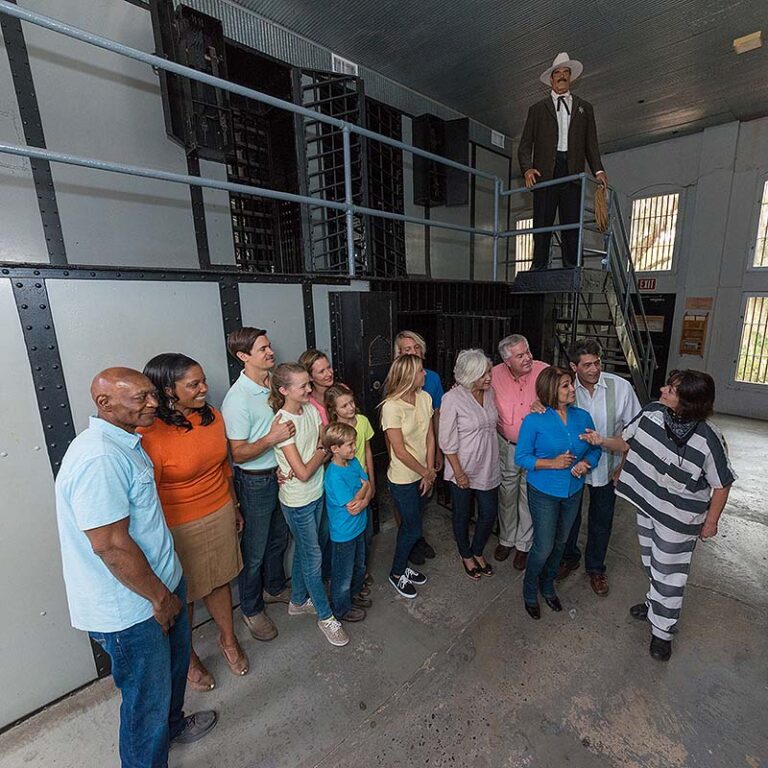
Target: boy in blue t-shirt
x,y
347,493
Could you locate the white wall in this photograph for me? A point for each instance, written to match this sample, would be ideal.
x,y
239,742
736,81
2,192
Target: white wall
x,y
720,174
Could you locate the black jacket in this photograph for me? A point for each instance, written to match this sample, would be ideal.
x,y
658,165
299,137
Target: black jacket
x,y
538,144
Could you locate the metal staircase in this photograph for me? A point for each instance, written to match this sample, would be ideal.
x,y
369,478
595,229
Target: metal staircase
x,y
600,299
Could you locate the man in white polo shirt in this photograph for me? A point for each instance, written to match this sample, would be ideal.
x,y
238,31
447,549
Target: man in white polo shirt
x,y
612,403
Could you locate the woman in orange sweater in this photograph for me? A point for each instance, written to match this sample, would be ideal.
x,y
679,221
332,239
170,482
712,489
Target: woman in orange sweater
x,y
188,447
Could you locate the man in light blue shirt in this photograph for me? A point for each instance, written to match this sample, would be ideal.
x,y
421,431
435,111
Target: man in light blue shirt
x,y
123,578
253,431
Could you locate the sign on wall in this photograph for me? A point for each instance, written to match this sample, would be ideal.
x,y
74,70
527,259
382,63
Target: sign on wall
x,y
646,283
695,320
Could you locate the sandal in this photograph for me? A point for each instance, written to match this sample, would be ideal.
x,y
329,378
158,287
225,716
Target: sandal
x,y
368,580
198,677
473,573
235,657
486,569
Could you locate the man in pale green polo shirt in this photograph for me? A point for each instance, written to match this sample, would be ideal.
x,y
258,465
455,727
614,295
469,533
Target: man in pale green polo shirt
x,y
123,579
253,431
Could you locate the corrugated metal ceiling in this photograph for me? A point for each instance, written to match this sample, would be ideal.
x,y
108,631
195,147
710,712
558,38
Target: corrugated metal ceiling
x,y
653,68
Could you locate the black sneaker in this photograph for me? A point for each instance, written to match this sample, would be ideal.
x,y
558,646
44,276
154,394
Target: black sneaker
x,y
403,586
196,726
426,548
415,577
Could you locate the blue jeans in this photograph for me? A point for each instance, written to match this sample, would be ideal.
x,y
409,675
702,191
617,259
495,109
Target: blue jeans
x,y
410,505
552,522
150,671
487,508
306,574
347,574
602,500
264,540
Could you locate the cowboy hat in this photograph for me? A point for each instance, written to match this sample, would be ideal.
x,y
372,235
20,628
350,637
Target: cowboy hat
x,y
562,60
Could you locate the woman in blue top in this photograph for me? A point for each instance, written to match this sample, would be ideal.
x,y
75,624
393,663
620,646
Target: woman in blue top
x,y
557,462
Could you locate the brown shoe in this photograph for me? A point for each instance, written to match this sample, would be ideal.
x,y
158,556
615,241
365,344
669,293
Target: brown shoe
x,y
501,553
566,569
354,614
599,582
198,677
520,561
260,626
280,597
235,657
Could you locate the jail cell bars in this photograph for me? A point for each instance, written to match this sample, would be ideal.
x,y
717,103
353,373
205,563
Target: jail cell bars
x,y
752,365
653,232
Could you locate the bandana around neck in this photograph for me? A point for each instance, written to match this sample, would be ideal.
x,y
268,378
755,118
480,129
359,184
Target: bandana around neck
x,y
680,431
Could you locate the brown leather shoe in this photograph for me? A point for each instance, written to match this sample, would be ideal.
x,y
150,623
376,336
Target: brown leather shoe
x,y
260,626
354,614
599,582
520,561
501,553
566,569
280,597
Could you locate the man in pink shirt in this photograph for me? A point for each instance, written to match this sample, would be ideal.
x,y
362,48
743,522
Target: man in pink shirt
x,y
514,385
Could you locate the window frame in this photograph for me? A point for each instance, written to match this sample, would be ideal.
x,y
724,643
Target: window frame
x,y
733,382
762,189
518,217
677,245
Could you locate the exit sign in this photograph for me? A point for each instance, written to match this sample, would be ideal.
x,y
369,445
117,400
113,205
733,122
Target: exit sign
x,y
646,283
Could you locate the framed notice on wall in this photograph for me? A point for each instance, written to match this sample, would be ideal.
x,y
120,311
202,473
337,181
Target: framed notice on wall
x,y
695,321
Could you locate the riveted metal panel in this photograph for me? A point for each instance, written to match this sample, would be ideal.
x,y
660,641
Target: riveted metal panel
x,y
101,105
278,309
41,656
102,323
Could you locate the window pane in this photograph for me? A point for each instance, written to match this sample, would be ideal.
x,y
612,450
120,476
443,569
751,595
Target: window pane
x,y
753,350
761,242
652,236
523,246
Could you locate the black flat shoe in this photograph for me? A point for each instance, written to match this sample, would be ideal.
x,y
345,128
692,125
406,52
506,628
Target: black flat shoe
x,y
553,602
473,573
660,649
534,611
426,548
639,611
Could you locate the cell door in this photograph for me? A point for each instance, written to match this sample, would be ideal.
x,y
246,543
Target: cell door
x,y
321,154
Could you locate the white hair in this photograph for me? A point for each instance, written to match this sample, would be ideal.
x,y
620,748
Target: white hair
x,y
417,337
471,365
510,341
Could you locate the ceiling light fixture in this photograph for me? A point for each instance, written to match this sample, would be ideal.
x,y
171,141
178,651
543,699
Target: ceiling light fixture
x,y
748,42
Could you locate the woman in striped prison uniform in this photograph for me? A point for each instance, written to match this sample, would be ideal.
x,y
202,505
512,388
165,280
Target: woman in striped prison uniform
x,y
677,474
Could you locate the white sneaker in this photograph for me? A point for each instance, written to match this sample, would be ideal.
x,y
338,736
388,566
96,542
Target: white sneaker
x,y
297,610
415,577
333,631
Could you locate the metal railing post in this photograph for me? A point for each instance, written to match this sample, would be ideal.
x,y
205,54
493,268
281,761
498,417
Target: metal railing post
x,y
582,202
496,199
348,200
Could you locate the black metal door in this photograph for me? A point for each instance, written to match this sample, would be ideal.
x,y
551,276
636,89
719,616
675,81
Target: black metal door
x,y
660,314
362,330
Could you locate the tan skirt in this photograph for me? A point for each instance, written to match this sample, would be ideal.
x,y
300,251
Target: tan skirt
x,y
209,551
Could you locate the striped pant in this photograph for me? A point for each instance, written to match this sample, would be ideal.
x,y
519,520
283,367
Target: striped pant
x,y
666,556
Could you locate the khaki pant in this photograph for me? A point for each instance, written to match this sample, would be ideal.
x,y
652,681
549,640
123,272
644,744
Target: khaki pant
x,y
515,524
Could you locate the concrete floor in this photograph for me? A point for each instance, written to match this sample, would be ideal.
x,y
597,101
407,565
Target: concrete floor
x,y
462,677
